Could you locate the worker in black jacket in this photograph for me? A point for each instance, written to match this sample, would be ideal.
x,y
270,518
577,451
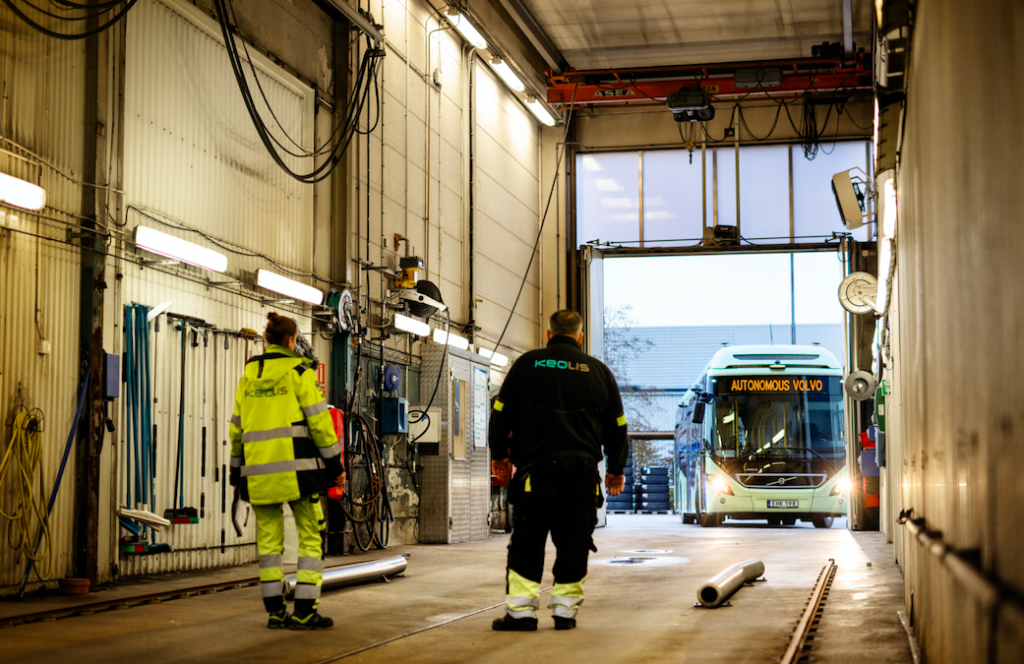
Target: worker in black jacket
x,y
558,412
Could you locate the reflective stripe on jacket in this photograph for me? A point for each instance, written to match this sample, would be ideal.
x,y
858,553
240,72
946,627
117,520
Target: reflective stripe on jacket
x,y
283,444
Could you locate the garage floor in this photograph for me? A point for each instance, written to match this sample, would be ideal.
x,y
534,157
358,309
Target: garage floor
x,y
635,612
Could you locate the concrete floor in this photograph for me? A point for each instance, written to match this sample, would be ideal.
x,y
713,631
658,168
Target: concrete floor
x,y
634,612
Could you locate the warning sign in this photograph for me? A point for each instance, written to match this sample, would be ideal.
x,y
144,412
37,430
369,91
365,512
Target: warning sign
x,y
321,376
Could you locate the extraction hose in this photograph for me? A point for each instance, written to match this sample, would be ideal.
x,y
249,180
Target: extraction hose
x,y
26,447
348,575
719,587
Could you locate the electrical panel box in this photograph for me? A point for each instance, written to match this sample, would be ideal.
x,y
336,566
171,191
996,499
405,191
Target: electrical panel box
x,y
395,418
426,430
112,377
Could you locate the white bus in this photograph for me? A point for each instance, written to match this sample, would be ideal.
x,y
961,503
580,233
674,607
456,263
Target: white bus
x,y
760,436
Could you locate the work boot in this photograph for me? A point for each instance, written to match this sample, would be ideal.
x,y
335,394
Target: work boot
x,y
313,621
279,620
564,623
507,623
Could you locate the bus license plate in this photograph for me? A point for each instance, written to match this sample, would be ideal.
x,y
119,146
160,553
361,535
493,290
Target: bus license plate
x,y
784,503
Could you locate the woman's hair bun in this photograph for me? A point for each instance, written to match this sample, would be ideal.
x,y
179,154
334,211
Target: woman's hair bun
x,y
271,316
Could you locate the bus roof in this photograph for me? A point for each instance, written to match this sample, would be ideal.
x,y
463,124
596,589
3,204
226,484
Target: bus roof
x,y
764,356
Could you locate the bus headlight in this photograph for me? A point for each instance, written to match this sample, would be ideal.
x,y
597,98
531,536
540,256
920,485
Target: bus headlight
x,y
841,487
719,484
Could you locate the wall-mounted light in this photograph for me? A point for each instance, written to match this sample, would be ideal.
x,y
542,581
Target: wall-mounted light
x,y
450,338
173,247
540,111
886,234
497,359
290,287
466,28
19,193
411,325
505,72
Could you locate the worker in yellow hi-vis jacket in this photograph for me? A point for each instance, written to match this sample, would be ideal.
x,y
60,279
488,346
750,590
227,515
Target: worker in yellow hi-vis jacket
x,y
284,450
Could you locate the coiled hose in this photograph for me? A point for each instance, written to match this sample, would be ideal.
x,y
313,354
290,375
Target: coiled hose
x,y
26,448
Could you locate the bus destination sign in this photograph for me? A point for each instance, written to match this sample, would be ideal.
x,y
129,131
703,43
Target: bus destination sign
x,y
772,385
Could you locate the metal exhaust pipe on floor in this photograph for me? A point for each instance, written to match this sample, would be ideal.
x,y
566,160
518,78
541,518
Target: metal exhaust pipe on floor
x,y
718,588
350,575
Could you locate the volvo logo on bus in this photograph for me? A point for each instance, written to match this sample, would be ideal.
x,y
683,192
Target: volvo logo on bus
x,y
780,481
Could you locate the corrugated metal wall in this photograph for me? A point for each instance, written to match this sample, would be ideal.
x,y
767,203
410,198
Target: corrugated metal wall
x,y
194,161
955,450
506,209
41,113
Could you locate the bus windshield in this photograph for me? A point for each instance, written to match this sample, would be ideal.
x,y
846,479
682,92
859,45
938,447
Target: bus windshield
x,y
785,418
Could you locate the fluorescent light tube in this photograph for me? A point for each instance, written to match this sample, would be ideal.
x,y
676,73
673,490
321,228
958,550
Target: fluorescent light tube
x,y
497,359
450,338
507,75
779,436
163,244
466,29
21,194
411,325
540,111
889,209
290,287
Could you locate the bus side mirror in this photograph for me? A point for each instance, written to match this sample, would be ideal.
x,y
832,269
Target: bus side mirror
x,y
698,412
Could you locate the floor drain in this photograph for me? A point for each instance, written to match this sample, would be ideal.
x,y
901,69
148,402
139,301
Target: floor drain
x,y
630,561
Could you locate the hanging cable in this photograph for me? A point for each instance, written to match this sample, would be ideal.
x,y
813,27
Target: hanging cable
x,y
95,12
336,145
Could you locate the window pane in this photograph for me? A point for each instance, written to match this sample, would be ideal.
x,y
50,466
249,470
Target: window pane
x,y
673,206
726,186
814,206
608,197
764,194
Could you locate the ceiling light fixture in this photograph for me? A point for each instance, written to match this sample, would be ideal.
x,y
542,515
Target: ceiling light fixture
x,y
540,111
505,72
20,193
466,28
170,246
411,325
450,338
290,287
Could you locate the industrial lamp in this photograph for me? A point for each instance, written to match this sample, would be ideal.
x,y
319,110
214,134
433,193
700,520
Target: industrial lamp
x,y
411,325
886,235
505,72
20,193
290,287
466,28
450,338
540,111
175,248
497,359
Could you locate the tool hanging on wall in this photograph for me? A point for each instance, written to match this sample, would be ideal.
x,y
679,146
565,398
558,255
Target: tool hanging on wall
x,y
178,513
139,436
202,467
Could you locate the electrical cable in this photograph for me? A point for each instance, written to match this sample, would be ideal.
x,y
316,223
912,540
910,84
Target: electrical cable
x,y
26,449
338,142
543,220
105,7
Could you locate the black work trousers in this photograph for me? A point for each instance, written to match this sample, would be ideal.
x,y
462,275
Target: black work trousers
x,y
560,498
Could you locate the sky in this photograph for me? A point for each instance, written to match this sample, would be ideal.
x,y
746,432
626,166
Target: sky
x,y
667,291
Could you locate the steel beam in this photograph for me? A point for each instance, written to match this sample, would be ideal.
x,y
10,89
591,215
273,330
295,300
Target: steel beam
x,y
653,84
533,30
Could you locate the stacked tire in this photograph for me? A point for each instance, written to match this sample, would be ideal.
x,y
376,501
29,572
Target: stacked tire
x,y
654,490
625,501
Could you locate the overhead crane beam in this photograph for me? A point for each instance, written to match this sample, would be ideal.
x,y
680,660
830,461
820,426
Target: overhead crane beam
x,y
651,85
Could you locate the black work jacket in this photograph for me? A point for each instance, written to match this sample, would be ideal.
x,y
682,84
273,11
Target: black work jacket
x,y
559,402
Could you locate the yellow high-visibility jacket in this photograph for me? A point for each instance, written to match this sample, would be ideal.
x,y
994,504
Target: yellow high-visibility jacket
x,y
283,445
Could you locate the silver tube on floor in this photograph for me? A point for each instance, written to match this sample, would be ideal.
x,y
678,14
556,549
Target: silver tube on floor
x,y
716,589
350,575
